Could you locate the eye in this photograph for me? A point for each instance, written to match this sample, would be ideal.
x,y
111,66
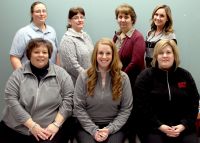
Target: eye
x,y
100,53
36,52
108,53
45,52
155,14
120,17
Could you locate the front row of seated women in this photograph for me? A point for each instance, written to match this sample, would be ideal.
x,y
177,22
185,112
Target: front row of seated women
x,y
40,97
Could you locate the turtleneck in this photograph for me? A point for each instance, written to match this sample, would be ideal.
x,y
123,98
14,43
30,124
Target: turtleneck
x,y
39,72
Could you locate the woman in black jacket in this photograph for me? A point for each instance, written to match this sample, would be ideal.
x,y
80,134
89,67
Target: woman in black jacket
x,y
166,99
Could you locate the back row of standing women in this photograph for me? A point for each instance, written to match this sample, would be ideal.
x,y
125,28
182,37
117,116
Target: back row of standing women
x,y
39,94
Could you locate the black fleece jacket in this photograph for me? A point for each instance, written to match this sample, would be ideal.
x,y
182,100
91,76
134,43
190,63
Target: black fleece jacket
x,y
165,97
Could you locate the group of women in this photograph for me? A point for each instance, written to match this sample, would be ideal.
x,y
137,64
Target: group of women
x,y
105,87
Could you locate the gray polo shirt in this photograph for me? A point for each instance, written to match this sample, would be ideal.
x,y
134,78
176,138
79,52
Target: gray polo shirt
x,y
29,32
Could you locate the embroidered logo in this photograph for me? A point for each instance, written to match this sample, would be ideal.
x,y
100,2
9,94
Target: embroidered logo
x,y
182,84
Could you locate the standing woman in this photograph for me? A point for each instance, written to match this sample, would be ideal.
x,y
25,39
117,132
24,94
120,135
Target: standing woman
x,y
161,28
38,97
166,99
36,29
131,45
102,97
76,45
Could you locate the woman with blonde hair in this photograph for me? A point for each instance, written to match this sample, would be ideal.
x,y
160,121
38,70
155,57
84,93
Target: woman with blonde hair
x,y
102,97
166,99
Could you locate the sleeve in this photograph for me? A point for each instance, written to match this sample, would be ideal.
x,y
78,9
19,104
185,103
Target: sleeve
x,y
18,45
69,57
56,42
67,92
12,98
137,59
142,105
80,106
125,108
192,111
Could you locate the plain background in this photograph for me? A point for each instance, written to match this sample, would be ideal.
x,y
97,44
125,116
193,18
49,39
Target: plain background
x,y
101,22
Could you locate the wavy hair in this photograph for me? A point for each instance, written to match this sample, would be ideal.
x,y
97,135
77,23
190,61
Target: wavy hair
x,y
162,44
168,27
115,70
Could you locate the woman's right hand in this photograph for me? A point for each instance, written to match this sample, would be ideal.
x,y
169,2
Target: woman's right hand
x,y
40,133
169,131
101,134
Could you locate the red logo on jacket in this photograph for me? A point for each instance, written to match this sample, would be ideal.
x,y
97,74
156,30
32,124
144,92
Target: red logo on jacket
x,y
182,84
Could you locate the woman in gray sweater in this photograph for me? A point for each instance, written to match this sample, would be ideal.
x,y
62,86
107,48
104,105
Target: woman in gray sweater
x,y
102,97
38,99
76,45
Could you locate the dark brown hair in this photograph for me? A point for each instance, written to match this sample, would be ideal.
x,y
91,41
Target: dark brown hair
x,y
74,11
37,42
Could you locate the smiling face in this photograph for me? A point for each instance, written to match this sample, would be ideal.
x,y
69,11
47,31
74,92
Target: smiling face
x,y
165,58
104,57
160,18
39,14
39,56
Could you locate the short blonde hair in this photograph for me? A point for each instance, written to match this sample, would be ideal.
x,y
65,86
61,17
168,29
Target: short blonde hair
x,y
162,44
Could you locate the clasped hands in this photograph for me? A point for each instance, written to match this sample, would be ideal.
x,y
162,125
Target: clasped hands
x,y
44,133
172,131
101,134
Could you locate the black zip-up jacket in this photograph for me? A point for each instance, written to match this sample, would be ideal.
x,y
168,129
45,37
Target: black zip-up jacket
x,y
165,97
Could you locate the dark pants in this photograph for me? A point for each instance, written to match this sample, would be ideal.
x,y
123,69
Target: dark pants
x,y
162,138
8,135
84,137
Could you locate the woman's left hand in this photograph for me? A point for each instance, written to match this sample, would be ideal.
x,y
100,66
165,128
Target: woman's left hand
x,y
52,129
178,128
103,133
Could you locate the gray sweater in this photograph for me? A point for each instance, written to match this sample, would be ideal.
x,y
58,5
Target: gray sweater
x,y
75,51
26,99
101,109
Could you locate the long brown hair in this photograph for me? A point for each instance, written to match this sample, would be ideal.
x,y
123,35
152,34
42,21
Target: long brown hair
x,y
168,28
115,68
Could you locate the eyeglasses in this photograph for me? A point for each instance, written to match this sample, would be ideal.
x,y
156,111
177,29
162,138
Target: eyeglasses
x,y
40,11
77,18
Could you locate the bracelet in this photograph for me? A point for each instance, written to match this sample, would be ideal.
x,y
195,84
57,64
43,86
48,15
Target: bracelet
x,y
34,125
56,124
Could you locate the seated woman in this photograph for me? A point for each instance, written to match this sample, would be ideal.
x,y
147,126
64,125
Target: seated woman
x,y
166,99
38,99
102,97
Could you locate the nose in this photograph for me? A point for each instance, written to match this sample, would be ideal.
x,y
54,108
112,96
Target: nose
x,y
41,54
164,54
104,55
123,19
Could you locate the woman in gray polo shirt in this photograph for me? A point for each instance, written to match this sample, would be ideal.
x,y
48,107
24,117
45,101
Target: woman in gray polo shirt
x,y
102,97
36,29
